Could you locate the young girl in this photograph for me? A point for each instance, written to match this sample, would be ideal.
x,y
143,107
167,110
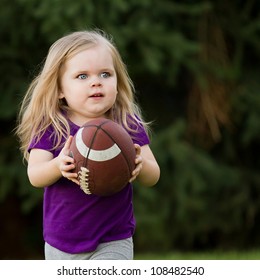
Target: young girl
x,y
83,78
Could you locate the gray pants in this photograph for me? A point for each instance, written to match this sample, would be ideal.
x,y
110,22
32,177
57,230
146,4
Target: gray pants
x,y
114,250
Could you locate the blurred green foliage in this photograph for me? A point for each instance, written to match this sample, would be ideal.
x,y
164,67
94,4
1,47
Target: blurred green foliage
x,y
195,67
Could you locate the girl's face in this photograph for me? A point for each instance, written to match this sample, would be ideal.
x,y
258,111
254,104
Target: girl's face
x,y
89,84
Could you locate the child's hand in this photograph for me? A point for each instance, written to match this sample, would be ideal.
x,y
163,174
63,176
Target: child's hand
x,y
138,162
66,163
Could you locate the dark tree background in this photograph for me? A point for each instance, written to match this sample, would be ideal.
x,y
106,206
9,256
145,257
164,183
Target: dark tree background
x,y
195,65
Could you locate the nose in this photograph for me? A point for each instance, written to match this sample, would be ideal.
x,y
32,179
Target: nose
x,y
95,82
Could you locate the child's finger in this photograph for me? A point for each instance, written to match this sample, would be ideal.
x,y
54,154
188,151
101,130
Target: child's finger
x,y
68,159
68,167
73,177
137,149
68,143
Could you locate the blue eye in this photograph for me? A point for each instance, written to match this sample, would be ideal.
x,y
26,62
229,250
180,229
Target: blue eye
x,y
105,75
82,76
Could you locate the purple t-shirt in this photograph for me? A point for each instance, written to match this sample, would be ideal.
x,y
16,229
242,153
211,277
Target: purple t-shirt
x,y
75,222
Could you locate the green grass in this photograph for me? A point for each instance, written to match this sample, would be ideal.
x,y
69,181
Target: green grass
x,y
215,255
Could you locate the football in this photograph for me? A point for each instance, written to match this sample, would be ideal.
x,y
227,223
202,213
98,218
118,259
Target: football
x,y
104,155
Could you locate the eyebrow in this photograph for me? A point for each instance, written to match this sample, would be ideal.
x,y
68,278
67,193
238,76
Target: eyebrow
x,y
105,69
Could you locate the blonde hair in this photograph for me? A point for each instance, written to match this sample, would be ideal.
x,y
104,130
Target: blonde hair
x,y
41,106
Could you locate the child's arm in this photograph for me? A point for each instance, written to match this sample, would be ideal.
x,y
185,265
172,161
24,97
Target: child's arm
x,y
147,170
44,170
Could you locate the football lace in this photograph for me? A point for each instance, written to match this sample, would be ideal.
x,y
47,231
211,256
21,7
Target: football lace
x,y
83,180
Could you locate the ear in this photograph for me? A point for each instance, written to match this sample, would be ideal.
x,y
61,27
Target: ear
x,y
61,95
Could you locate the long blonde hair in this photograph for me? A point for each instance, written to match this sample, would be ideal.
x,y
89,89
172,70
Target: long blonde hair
x,y
41,106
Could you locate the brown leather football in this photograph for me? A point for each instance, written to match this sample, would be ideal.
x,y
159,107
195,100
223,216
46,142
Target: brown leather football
x,y
104,155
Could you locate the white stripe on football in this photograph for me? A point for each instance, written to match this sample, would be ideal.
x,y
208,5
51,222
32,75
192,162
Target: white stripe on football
x,y
95,155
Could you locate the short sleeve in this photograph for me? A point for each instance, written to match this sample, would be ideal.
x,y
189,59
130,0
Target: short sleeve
x,y
140,136
45,142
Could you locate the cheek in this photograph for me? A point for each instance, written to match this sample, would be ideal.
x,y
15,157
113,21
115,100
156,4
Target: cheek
x,y
115,95
113,90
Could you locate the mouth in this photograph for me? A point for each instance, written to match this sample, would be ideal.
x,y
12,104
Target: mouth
x,y
96,95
